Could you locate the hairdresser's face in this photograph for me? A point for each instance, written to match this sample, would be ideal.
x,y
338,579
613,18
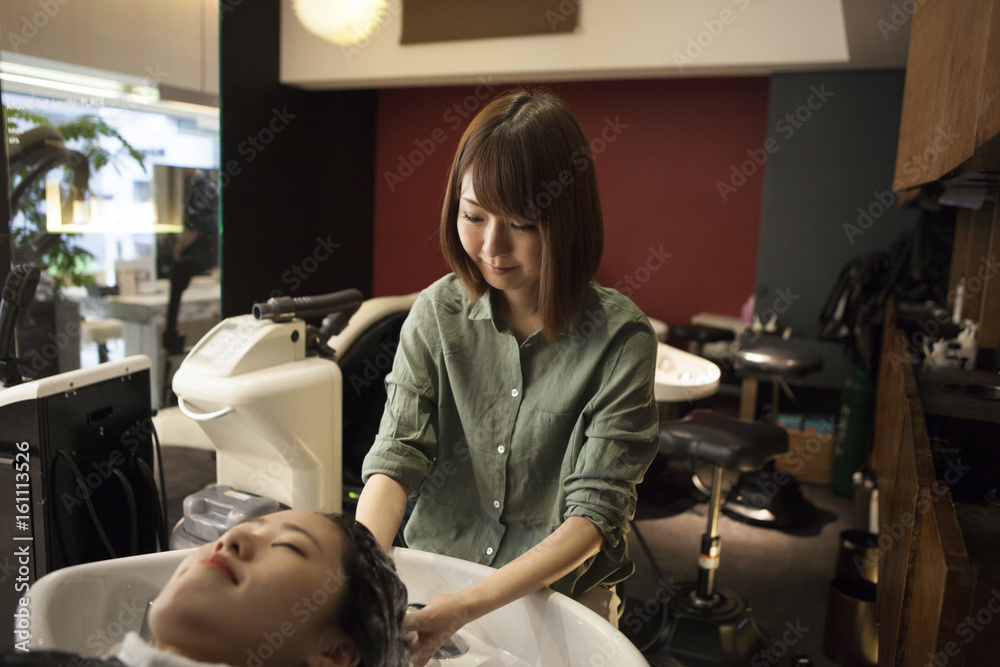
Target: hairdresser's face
x,y
264,593
507,252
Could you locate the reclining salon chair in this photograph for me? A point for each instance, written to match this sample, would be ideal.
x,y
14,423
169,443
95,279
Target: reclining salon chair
x,y
707,625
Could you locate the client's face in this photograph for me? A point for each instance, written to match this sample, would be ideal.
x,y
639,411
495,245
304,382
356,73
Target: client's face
x,y
262,594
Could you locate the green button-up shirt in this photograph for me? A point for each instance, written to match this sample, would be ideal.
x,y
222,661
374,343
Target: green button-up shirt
x,y
502,442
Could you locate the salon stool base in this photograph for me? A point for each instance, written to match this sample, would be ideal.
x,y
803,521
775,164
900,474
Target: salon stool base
x,y
724,634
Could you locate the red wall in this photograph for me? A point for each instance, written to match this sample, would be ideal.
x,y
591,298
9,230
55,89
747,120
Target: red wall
x,y
671,142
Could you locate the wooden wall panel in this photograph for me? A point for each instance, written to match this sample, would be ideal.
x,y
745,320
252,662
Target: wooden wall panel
x,y
988,122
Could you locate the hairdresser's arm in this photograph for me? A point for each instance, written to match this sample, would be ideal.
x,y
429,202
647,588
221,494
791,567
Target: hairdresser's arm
x,y
381,507
576,540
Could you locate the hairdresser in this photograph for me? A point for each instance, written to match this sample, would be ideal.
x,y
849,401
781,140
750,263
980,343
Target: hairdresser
x,y
520,411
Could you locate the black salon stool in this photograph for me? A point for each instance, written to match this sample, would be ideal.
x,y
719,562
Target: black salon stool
x,y
709,625
765,497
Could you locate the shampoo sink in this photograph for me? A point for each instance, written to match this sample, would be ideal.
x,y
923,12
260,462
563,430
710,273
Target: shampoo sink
x,y
88,609
682,376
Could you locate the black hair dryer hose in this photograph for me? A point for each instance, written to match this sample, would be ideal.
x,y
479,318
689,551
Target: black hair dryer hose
x,y
18,291
282,309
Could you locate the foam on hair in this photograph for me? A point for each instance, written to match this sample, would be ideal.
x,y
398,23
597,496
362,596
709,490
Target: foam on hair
x,y
372,609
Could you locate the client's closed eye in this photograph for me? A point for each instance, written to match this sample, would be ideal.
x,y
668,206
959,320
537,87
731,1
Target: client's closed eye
x,y
291,546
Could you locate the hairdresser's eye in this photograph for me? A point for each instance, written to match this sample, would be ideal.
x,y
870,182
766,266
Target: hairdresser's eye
x,y
292,547
472,219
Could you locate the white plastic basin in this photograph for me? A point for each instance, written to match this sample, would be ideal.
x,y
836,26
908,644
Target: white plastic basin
x,y
682,376
89,608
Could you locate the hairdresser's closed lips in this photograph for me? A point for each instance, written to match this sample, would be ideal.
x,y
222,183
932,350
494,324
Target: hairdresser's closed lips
x,y
219,561
499,270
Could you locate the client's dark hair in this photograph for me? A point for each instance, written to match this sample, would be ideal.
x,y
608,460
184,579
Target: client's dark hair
x,y
372,608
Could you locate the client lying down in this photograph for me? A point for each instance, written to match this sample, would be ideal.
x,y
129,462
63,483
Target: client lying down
x,y
289,588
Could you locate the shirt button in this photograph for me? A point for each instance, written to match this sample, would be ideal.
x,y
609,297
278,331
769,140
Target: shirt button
x,y
514,393
489,551
496,503
501,449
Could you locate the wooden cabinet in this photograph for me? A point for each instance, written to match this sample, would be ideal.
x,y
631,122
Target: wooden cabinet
x,y
933,597
951,111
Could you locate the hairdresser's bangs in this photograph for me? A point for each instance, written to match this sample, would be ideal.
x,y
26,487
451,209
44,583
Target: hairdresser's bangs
x,y
502,176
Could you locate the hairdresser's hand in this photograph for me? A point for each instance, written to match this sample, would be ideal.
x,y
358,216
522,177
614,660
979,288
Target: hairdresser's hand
x,y
433,625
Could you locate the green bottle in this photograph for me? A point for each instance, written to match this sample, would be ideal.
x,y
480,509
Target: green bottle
x,y
857,408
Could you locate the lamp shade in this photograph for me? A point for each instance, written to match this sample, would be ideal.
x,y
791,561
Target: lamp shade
x,y
341,21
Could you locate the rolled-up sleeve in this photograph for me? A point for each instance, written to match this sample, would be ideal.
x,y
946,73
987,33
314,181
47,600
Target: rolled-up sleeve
x,y
620,440
406,444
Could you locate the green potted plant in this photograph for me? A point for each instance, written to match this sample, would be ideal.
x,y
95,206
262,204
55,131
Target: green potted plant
x,y
50,336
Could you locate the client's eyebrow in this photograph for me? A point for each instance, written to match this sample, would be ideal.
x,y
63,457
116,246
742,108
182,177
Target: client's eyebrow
x,y
284,525
300,529
472,201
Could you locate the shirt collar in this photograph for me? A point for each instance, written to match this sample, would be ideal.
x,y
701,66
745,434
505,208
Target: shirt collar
x,y
482,309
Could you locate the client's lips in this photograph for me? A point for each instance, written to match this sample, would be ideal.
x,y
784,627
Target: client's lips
x,y
219,561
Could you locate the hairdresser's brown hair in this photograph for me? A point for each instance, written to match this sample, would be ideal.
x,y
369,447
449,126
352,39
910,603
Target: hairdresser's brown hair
x,y
530,161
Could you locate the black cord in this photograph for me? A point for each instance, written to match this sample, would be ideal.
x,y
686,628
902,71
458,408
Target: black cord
x,y
86,499
160,511
159,462
132,509
658,637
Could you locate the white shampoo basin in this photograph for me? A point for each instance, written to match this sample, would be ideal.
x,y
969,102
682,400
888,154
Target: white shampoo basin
x,y
89,608
682,376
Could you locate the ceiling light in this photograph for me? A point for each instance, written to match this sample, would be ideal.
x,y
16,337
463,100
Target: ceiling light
x,y
341,21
